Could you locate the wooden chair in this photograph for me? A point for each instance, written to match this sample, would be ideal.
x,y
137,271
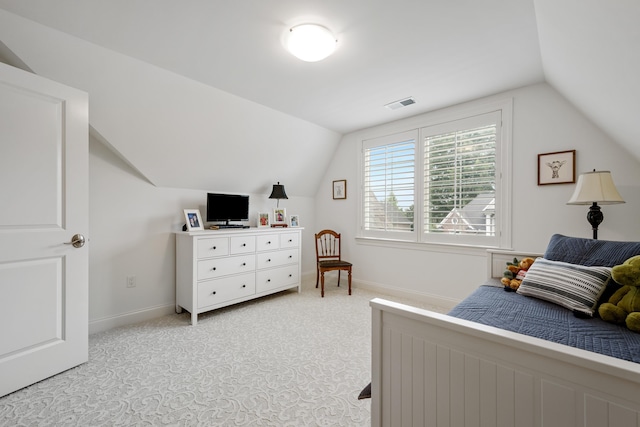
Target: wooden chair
x,y
328,257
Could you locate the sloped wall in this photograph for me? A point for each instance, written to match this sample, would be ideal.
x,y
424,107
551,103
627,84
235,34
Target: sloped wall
x,y
175,131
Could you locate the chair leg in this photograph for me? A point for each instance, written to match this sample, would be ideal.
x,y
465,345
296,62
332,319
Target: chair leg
x,y
317,276
322,284
349,281
339,278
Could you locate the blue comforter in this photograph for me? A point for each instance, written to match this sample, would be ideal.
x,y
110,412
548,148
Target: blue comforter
x,y
491,305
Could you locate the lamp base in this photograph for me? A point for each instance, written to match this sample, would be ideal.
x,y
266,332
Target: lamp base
x,y
595,218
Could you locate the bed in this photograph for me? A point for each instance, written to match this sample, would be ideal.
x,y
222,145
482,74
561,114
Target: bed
x,y
504,359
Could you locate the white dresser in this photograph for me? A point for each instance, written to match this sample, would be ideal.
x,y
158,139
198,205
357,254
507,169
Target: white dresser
x,y
217,268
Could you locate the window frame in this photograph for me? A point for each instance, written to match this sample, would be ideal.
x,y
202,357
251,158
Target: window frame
x,y
503,178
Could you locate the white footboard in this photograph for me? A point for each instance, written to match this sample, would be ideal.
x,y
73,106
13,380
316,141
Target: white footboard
x,y
430,369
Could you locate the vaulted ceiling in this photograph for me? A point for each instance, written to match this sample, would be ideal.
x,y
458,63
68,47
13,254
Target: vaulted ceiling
x,y
214,75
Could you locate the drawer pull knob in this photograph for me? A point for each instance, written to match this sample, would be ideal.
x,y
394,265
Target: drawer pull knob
x,y
290,256
214,269
269,242
244,286
291,275
214,248
269,260
290,240
244,263
213,293
244,244
268,280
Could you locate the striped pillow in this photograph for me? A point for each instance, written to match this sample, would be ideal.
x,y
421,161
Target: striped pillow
x,y
572,286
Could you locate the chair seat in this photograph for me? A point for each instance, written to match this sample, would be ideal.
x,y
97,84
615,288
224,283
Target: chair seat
x,y
334,263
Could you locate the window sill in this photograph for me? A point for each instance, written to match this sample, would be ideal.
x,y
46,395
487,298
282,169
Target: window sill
x,y
429,247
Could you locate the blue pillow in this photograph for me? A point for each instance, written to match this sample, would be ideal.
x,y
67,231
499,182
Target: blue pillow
x,y
590,252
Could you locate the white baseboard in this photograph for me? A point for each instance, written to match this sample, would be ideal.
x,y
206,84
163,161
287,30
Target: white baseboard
x,y
106,323
426,298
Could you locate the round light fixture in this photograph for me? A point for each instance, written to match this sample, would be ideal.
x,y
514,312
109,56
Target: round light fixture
x,y
311,42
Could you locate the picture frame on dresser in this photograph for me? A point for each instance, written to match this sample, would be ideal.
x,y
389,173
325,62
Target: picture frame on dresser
x,y
263,220
294,220
279,216
194,219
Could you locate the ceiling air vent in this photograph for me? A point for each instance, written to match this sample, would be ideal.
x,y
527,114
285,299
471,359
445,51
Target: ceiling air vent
x,y
402,103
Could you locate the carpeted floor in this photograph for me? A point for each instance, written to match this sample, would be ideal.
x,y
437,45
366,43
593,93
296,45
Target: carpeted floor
x,y
285,360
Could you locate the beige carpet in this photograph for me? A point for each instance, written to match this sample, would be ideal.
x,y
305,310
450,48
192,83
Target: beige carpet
x,y
285,360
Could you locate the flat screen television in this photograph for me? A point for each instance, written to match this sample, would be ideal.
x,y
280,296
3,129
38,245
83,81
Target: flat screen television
x,y
227,207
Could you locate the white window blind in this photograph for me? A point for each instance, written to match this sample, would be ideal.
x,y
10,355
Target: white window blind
x,y
460,182
447,182
389,183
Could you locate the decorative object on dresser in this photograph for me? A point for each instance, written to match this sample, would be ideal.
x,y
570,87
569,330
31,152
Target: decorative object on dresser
x,y
215,269
277,192
557,168
593,188
263,219
340,189
279,217
194,220
329,257
294,221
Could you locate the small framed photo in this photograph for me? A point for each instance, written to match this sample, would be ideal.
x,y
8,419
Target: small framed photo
x,y
557,168
194,220
263,219
294,221
279,217
340,189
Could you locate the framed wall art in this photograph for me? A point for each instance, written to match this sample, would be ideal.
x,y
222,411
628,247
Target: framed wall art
x,y
557,168
340,189
194,219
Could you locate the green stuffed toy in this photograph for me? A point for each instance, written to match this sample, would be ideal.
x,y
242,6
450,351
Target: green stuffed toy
x,y
624,305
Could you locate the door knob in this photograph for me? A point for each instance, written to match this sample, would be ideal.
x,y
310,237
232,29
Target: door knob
x,y
77,241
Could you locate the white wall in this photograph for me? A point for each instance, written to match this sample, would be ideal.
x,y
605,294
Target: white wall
x,y
543,121
131,233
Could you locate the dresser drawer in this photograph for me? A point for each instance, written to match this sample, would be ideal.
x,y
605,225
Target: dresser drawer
x,y
276,258
218,291
276,278
268,242
216,267
217,246
242,245
289,240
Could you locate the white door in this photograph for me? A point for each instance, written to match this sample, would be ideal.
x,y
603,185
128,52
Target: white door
x,y
43,204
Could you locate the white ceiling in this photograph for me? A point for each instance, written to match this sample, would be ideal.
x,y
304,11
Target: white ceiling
x,y
441,52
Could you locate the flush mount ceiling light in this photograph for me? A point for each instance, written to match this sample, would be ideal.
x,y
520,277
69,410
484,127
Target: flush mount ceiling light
x,y
311,42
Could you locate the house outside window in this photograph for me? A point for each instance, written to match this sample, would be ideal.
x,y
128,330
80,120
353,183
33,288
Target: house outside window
x,y
443,183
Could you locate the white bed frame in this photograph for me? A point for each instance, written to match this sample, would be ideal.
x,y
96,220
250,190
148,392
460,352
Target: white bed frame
x,y
430,369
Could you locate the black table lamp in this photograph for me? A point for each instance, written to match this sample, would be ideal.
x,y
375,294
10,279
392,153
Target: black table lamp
x,y
593,188
278,193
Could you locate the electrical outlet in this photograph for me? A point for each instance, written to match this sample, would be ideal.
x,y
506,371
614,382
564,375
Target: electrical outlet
x,y
131,281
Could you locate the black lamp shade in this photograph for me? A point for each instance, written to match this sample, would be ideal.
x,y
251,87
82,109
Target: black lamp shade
x,y
278,192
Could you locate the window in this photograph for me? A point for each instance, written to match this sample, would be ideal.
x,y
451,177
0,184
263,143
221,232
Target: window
x,y
441,183
389,185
